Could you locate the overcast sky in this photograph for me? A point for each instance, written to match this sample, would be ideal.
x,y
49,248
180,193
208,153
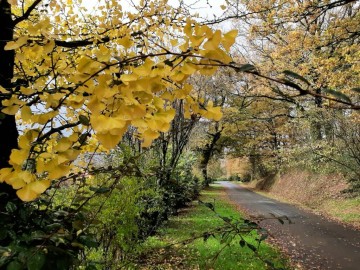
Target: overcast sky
x,y
205,8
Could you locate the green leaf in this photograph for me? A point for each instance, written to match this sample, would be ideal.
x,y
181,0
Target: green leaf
x,y
252,247
206,236
54,226
37,235
294,75
246,67
10,207
271,264
226,219
77,245
242,243
253,224
210,205
91,266
356,89
84,120
88,240
14,265
60,213
263,237
3,234
337,94
78,225
100,190
293,85
83,137
168,63
36,261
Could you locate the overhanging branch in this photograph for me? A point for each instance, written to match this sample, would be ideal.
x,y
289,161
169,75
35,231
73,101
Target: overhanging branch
x,y
27,12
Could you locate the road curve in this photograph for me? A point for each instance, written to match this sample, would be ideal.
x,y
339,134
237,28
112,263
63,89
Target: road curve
x,y
310,240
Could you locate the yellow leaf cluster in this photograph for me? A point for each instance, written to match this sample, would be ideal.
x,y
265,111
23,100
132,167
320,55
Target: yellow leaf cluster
x,y
118,77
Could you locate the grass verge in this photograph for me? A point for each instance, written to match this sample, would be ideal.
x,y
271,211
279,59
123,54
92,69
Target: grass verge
x,y
346,210
170,250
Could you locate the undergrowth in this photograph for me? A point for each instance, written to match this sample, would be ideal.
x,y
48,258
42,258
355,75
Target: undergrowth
x,y
182,243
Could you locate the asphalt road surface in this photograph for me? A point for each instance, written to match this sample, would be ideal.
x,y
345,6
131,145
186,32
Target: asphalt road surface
x,y
310,240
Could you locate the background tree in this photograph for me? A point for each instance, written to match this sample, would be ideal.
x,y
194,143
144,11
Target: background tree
x,y
310,47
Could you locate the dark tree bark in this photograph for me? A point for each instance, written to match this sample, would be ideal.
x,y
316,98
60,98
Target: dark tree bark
x,y
208,152
8,130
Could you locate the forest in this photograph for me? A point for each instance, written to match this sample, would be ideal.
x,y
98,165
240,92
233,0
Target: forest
x,y
115,115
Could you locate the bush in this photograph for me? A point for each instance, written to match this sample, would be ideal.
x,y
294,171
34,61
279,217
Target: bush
x,y
246,177
234,177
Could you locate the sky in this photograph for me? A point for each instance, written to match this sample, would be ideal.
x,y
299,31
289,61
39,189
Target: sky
x,y
205,8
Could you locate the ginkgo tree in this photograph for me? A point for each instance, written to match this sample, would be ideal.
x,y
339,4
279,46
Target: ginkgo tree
x,y
74,81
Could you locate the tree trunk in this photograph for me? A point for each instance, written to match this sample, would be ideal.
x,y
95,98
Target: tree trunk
x,y
8,130
207,153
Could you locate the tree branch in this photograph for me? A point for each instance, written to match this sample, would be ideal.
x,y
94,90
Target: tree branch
x,y
55,130
27,12
80,43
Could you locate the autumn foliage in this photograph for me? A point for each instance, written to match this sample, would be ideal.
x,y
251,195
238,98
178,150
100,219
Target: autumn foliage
x,y
82,79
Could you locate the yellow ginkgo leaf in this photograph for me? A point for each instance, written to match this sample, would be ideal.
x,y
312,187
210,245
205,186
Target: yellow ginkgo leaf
x,y
39,186
26,139
144,69
163,127
26,194
105,124
68,155
5,173
126,78
126,42
139,123
188,68
188,27
148,136
108,140
13,45
49,46
168,96
229,39
44,117
197,40
12,2
18,157
63,144
214,41
3,90
11,110
213,113
26,113
20,178
59,171
208,70
84,64
178,76
174,42
165,116
41,166
27,90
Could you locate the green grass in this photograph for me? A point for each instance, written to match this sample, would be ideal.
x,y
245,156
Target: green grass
x,y
346,210
198,254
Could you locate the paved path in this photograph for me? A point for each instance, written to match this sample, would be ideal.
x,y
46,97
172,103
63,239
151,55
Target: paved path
x,y
311,240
